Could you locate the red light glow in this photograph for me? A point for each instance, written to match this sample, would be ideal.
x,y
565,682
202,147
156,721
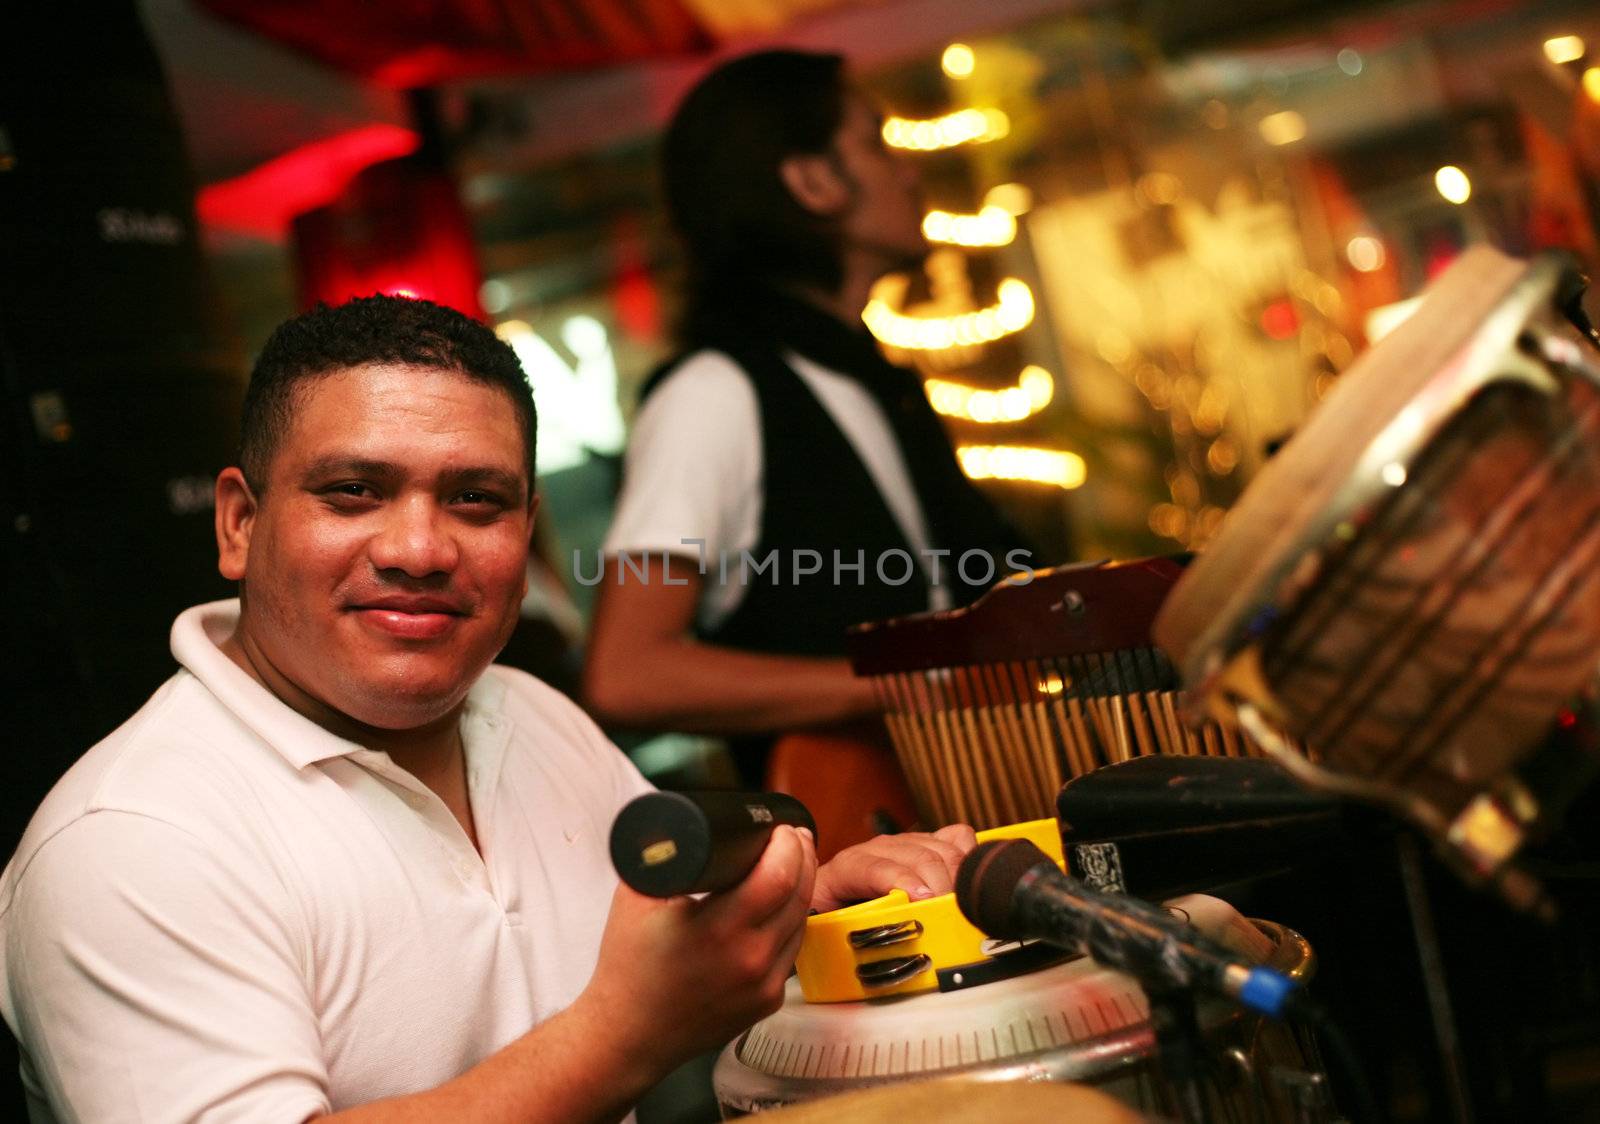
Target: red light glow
x,y
398,228
263,201
1279,320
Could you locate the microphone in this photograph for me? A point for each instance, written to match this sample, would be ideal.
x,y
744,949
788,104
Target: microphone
x,y
669,843
1009,888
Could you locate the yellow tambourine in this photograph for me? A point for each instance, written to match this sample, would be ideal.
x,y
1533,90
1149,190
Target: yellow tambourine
x,y
893,945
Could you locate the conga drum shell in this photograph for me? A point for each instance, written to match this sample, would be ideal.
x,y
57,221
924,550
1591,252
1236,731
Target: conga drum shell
x,y
955,1101
1411,587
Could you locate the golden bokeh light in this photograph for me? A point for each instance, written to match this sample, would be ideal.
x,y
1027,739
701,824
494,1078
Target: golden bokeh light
x,y
964,126
1012,312
1032,393
1023,462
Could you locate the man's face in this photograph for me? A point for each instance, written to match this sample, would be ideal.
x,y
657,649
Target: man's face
x,y
384,564
885,211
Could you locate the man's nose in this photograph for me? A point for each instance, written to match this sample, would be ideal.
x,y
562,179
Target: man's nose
x,y
416,539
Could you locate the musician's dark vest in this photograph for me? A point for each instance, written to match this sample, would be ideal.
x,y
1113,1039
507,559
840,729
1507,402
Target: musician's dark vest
x,y
819,502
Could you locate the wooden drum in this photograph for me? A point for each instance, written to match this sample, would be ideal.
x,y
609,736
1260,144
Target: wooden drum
x,y
1411,587
1073,1022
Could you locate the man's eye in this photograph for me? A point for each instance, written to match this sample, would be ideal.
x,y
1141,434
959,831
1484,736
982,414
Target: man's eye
x,y
350,490
480,499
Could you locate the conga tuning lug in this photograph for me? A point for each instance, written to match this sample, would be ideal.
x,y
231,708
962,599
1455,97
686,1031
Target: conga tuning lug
x,y
1562,351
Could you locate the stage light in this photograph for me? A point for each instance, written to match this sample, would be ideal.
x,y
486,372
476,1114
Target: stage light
x,y
1012,312
1591,83
1563,48
1365,253
1283,128
1013,198
958,60
1032,392
1022,462
964,126
1279,319
495,296
1453,184
992,226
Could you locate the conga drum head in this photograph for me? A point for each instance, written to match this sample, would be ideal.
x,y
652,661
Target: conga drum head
x,y
954,1101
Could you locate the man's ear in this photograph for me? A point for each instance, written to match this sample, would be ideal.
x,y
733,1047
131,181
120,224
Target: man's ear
x,y
236,517
533,515
816,182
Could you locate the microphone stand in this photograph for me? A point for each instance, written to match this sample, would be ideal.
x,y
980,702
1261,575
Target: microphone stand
x,y
1179,1052
1169,988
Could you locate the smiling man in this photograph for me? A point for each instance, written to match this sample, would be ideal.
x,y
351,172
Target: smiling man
x,y
341,864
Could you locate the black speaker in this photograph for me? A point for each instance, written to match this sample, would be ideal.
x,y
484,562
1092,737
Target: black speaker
x,y
121,392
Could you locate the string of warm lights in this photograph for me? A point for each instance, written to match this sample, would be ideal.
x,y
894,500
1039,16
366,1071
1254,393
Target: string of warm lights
x,y
1023,462
992,226
1012,312
938,339
1032,393
964,126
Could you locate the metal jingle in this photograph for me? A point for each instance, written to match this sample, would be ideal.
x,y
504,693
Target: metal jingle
x,y
896,932
894,970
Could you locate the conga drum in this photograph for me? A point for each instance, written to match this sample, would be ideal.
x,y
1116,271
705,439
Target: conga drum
x,y
1411,586
952,1100
1071,1022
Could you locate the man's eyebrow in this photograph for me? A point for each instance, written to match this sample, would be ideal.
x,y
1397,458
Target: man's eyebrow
x,y
484,476
337,465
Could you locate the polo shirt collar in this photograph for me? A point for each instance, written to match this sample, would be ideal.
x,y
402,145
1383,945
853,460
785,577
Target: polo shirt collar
x,y
197,636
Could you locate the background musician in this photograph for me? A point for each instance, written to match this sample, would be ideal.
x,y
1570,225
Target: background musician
x,y
780,433
340,864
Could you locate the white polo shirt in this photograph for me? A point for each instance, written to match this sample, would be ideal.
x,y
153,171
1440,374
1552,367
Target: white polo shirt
x,y
225,912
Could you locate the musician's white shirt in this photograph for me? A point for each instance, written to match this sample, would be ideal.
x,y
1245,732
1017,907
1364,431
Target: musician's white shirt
x,y
225,912
693,470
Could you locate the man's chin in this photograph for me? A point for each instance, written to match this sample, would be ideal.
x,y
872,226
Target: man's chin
x,y
400,710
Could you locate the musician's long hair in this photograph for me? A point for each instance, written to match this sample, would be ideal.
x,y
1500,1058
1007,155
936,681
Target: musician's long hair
x,y
744,233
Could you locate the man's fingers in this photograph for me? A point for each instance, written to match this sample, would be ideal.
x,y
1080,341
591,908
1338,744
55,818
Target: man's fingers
x,y
924,866
960,835
961,839
790,951
808,870
771,884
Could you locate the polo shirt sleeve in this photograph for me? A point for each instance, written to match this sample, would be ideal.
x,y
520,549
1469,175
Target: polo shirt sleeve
x,y
151,979
693,465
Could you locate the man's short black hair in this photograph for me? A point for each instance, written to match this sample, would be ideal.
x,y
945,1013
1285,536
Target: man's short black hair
x,y
370,330
727,200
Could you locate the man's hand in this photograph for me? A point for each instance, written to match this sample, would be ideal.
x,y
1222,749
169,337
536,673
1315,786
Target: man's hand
x,y
676,978
922,865
681,976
